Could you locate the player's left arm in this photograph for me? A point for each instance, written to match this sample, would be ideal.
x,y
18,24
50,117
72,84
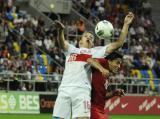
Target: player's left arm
x,y
96,64
117,92
117,44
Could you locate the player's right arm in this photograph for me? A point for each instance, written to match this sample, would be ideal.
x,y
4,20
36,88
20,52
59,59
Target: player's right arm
x,y
64,44
95,63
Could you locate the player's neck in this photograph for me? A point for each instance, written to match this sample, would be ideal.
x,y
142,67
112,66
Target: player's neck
x,y
84,47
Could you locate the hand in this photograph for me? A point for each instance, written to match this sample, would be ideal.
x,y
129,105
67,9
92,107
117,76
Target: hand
x,y
104,72
58,25
129,18
118,92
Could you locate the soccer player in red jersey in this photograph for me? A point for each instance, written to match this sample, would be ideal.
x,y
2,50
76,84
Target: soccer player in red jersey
x,y
100,83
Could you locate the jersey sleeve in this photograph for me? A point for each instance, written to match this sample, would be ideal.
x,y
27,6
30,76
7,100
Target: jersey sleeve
x,y
71,49
99,52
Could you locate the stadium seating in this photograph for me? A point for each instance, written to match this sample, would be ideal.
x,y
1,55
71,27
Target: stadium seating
x,y
26,46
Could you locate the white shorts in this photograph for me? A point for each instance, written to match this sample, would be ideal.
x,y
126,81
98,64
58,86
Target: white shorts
x,y
72,100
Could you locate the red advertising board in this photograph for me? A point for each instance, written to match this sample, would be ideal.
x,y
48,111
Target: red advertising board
x,y
133,105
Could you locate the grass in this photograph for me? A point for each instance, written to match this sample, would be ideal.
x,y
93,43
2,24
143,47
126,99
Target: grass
x,y
134,117
25,116
49,116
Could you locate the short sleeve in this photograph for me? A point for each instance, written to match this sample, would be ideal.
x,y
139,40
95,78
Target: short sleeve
x,y
71,49
99,52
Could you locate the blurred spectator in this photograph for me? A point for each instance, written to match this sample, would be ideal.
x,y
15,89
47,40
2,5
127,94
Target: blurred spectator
x,y
81,26
146,7
23,37
157,68
23,88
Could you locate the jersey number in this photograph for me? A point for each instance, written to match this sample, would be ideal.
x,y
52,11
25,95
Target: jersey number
x,y
72,57
87,105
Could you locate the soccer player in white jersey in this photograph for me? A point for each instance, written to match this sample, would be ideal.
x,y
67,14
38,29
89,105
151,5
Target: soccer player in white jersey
x,y
75,88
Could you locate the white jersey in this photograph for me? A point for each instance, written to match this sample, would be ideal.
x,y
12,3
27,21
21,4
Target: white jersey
x,y
77,71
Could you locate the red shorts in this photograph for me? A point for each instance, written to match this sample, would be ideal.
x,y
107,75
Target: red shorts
x,y
97,113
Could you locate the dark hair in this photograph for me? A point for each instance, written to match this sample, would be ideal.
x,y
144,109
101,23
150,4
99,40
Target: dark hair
x,y
114,55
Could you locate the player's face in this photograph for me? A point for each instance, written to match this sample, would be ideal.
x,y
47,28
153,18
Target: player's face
x,y
114,65
86,40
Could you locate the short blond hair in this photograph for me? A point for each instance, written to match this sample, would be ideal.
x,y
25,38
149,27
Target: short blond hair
x,y
85,33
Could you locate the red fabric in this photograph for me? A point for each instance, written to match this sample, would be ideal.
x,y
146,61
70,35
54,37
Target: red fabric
x,y
5,53
98,113
79,57
99,85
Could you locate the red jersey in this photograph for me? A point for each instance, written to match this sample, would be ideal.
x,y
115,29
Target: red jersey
x,y
99,87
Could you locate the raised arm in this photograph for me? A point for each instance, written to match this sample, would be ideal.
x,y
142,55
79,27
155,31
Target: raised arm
x,y
117,44
60,27
94,63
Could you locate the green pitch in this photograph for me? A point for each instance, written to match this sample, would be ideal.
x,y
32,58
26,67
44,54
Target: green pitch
x,y
49,116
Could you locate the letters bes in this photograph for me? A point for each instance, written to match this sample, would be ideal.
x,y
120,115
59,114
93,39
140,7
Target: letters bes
x,y
19,103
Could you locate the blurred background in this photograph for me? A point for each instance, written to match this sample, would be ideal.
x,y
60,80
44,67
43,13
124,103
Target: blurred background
x,y
32,62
